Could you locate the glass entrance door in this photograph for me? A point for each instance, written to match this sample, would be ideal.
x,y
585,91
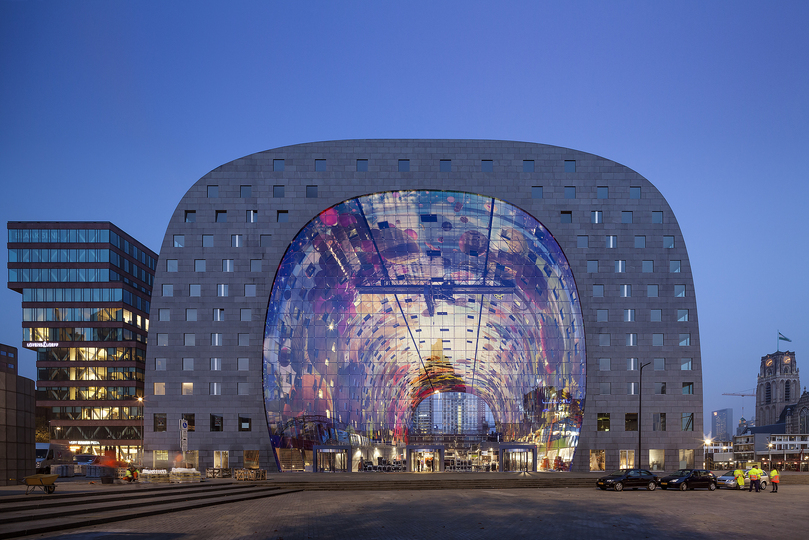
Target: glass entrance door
x,y
517,461
424,461
332,461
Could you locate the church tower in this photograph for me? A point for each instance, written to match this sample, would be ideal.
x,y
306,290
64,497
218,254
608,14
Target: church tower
x,y
779,385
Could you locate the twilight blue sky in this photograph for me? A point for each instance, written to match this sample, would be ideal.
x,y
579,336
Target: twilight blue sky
x,y
111,110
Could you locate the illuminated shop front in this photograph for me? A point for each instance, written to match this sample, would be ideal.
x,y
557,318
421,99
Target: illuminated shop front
x,y
387,299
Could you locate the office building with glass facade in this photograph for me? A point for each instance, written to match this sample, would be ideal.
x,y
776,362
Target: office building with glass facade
x,y
311,298
86,289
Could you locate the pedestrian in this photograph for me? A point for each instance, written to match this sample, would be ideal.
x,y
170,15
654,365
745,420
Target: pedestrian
x,y
738,474
755,479
775,479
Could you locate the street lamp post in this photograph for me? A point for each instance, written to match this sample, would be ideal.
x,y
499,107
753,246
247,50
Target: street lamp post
x,y
640,413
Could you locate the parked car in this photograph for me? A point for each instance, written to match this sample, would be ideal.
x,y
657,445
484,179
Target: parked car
x,y
728,481
685,479
628,478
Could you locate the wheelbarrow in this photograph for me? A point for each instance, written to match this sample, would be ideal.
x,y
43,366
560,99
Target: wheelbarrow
x,y
46,482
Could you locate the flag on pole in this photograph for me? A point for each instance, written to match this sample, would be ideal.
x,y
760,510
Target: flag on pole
x,y
782,337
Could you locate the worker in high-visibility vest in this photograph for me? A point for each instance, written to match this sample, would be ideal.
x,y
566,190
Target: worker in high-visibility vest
x,y
755,478
738,474
775,478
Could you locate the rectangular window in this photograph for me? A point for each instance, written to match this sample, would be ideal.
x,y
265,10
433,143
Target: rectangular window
x,y
282,216
199,265
626,290
160,422
245,192
570,165
278,165
243,389
668,242
659,421
243,364
189,340
592,267
685,340
188,364
626,217
604,388
656,315
679,291
171,265
278,192
632,364
487,165
216,340
603,192
404,165
634,193
582,241
536,192
602,315
246,314
596,216
194,290
164,314
213,192
528,165
603,422
188,389
189,418
598,291
266,240
218,314
688,388
660,388
603,364
631,340
674,267
603,340
611,241
362,165
640,241
598,461
688,421
160,364
570,192
629,315
311,192
160,389
249,290
648,267
236,240
320,165
567,216
244,340
222,289
620,267
245,424
179,240
657,340
682,315
217,420
221,216
216,364
445,165
631,420
255,265
190,216
660,364
657,217
228,265
215,389
685,364
251,216
686,457
652,291
207,240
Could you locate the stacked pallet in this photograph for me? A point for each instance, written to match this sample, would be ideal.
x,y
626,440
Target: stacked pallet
x,y
154,476
184,476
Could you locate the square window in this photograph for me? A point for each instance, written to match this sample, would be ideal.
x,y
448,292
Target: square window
x,y
216,340
243,388
222,289
249,290
160,389
626,217
657,217
659,422
598,291
213,192
657,340
596,216
171,265
199,265
246,314
216,364
688,388
632,364
660,364
570,165
582,241
162,340
682,315
640,241
602,315
218,314
679,291
652,290
217,421
620,267
536,192
362,165
626,290
221,216
685,340
311,192
245,192
660,388
164,314
266,240
688,422
245,424
629,315
278,165
611,241
228,265
207,240
188,364
656,315
592,267
603,340
404,165
487,165
604,388
251,216
685,364
631,340
278,192
647,267
320,165
188,389
674,267
189,340
179,240
445,165
255,265
528,165
634,193
160,422
236,240
282,216
603,422
160,364
603,364
191,314
194,290
668,242
215,389
602,192
567,216
190,216
631,421
243,364
244,340
570,192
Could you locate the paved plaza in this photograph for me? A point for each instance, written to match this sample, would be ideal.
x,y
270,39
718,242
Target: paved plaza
x,y
469,514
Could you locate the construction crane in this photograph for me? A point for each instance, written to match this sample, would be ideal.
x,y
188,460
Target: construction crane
x,y
740,394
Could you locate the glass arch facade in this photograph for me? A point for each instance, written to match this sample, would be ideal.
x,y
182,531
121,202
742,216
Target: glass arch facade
x,y
385,299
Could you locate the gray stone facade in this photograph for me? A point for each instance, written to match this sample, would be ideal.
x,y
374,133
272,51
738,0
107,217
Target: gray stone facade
x,y
17,428
649,251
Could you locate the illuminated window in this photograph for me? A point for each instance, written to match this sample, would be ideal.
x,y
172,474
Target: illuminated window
x,y
160,389
603,422
188,389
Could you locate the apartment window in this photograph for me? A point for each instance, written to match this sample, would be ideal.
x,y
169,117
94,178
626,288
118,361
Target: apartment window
x,y
311,192
243,389
188,364
194,290
657,340
688,421
244,340
160,389
660,388
189,339
236,240
228,265
679,291
213,192
602,315
221,216
160,364
282,216
682,315
245,424
199,265
629,315
631,420
656,315
648,267
596,216
190,216
362,165
249,290
567,216
602,192
243,364
685,340
164,314
217,420
222,289
603,340
171,265
570,165
611,241
215,389
620,267
659,421
255,265
631,340
320,165
626,290
668,242
162,340
688,388
191,314
487,165
278,192
278,165
652,290
592,267
218,314
582,241
660,364
626,217
603,364
216,364
216,340
266,240
598,291
603,422
570,192
640,241
604,388
251,216
657,217
634,193
685,364
245,192
246,314
674,267
632,364
207,240
404,165
445,165
528,165
179,240
160,422
536,192
188,389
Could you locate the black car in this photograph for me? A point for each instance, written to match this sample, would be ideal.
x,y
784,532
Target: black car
x,y
689,479
628,478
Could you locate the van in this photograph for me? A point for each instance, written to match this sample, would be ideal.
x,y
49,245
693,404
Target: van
x,y
48,454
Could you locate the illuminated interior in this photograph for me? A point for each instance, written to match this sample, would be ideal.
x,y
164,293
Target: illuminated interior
x,y
386,299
